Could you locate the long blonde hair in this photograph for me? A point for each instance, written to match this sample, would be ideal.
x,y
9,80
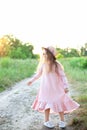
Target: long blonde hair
x,y
49,61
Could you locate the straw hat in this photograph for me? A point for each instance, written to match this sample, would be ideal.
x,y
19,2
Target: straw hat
x,y
51,49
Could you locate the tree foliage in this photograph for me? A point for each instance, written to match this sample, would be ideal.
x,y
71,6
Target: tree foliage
x,y
67,52
14,48
84,50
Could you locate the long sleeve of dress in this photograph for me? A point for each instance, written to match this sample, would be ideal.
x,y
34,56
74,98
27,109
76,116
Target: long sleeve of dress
x,y
63,76
37,75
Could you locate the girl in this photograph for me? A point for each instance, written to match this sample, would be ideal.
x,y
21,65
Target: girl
x,y
52,96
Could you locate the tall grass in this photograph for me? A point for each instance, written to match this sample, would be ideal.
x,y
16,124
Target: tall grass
x,y
77,75
74,70
12,71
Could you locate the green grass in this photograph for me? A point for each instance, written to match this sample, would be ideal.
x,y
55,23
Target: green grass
x,y
74,73
78,78
12,71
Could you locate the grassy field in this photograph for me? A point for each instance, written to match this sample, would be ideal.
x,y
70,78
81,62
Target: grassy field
x,y
12,71
78,79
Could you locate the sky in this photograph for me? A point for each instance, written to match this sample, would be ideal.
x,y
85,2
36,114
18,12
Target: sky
x,y
61,23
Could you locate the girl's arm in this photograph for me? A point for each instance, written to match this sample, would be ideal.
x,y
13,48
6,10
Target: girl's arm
x,y
63,77
35,77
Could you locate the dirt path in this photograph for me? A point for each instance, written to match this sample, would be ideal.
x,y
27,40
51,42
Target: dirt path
x,y
16,112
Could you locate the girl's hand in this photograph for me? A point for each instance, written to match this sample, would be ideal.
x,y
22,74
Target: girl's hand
x,y
29,83
66,90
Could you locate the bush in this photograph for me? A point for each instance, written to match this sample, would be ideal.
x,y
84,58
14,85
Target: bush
x,y
5,62
84,64
17,53
36,56
79,62
14,70
59,56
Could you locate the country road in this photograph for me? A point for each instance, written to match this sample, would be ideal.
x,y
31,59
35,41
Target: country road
x,y
16,112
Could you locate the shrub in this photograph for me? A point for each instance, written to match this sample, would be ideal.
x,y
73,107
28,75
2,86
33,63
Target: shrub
x,y
59,56
5,62
84,64
79,62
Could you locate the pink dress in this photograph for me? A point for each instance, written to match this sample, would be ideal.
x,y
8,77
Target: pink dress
x,y
51,92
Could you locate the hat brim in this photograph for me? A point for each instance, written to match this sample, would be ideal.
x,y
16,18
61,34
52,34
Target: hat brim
x,y
49,51
44,48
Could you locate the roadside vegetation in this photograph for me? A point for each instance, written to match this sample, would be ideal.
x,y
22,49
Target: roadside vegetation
x,y
76,70
14,70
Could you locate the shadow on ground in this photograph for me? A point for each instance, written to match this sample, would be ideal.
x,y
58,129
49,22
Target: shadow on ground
x,y
57,128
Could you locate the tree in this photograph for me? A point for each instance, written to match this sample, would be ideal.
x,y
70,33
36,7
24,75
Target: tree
x,y
14,48
73,53
4,46
68,52
84,50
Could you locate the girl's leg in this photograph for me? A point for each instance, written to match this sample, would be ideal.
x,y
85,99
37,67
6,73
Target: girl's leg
x,y
61,114
47,112
62,123
47,123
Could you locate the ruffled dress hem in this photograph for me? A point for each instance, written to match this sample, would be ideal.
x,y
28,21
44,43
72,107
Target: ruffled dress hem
x,y
55,107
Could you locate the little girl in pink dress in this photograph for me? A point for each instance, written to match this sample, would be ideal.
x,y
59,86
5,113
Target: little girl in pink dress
x,y
52,95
